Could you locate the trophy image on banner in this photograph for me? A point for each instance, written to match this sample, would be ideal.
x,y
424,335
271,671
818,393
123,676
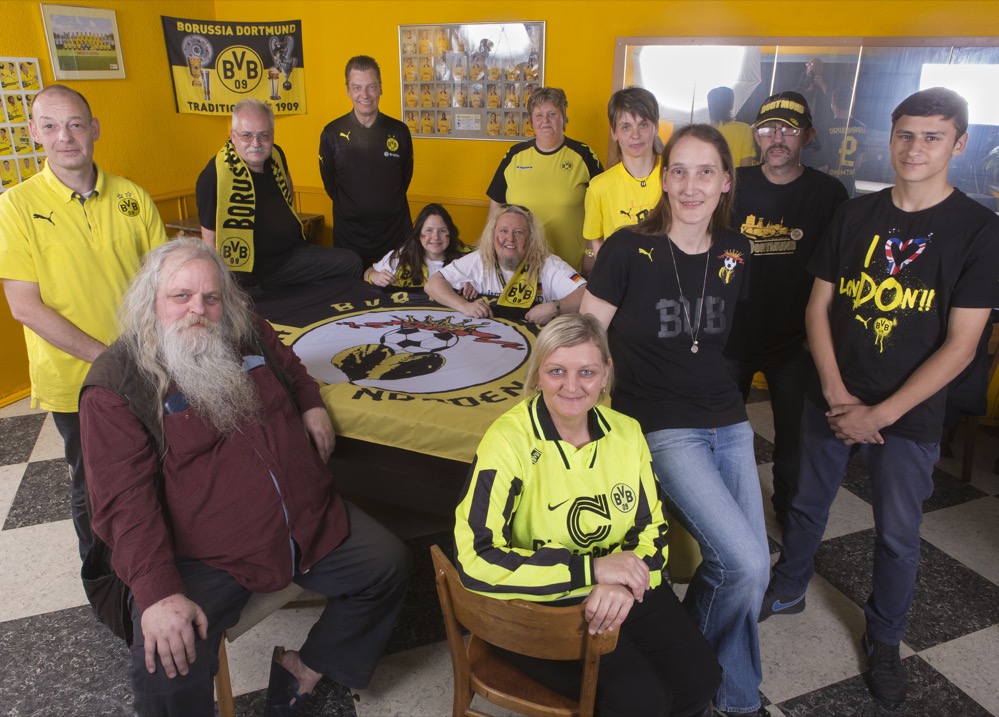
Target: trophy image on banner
x,y
284,62
199,53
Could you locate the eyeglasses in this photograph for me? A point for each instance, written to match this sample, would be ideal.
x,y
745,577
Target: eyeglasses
x,y
784,129
262,137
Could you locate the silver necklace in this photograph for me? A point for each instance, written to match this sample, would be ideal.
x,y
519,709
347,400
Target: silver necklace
x,y
695,327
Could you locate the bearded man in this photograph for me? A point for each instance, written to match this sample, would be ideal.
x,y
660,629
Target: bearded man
x,y
206,444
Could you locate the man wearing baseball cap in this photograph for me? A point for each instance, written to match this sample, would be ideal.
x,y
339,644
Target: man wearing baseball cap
x,y
783,208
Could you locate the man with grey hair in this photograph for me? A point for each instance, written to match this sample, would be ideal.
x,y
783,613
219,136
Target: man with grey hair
x,y
206,443
246,208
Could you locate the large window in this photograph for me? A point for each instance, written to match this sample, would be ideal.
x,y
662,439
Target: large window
x,y
852,86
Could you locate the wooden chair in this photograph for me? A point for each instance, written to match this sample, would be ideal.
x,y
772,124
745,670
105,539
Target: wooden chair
x,y
542,631
259,607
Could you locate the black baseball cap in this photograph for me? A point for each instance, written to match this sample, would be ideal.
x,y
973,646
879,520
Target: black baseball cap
x,y
791,108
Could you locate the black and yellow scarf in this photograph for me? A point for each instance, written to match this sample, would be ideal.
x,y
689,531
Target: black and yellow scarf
x,y
235,213
519,292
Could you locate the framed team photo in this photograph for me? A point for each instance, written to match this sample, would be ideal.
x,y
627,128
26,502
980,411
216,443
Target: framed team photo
x,y
83,43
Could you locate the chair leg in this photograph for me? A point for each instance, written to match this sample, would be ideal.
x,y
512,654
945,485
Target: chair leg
x,y
223,684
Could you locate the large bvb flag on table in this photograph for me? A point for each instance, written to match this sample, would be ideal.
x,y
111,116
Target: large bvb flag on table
x,y
215,64
399,370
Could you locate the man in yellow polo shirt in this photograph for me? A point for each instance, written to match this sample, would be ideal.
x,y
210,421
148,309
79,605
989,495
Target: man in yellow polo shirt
x,y
71,237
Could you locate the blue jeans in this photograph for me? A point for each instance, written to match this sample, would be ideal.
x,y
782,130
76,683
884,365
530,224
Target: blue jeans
x,y
711,486
787,379
900,474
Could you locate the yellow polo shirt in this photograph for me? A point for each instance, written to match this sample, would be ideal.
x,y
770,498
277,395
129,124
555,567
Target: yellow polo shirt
x,y
82,256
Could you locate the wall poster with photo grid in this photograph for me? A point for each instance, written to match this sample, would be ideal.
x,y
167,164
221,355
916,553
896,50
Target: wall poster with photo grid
x,y
20,157
470,81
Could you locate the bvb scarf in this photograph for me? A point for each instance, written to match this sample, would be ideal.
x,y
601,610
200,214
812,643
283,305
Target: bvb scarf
x,y
405,277
519,292
236,208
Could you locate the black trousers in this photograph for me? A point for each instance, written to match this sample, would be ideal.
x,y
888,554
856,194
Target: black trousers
x,y
68,425
662,667
365,580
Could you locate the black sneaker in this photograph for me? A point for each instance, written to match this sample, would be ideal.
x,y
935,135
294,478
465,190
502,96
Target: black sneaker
x,y
885,676
774,604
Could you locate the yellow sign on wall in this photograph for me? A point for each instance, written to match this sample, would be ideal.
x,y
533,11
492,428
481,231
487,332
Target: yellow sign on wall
x,y
215,64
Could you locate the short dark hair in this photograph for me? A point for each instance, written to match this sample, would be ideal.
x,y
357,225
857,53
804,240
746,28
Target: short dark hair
x,y
362,63
634,100
721,100
555,95
932,102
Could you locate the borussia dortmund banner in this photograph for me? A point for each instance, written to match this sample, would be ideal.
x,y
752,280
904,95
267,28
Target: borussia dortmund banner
x,y
216,64
398,370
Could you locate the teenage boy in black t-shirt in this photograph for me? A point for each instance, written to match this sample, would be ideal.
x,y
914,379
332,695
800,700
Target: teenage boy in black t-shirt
x,y
783,208
904,283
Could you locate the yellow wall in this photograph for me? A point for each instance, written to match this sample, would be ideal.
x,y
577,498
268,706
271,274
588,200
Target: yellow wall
x,y
146,140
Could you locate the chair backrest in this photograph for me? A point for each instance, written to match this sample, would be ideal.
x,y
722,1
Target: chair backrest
x,y
541,631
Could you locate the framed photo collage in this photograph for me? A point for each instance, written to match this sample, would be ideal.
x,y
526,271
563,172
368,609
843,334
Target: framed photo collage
x,y
470,81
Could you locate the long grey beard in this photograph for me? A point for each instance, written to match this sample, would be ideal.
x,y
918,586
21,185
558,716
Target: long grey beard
x,y
208,369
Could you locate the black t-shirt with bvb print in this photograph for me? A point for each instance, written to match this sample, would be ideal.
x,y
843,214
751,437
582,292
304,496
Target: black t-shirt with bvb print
x,y
783,223
658,380
896,276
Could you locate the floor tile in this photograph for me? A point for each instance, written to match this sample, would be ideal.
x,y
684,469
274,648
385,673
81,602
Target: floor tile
x,y
968,533
18,435
20,408
950,599
930,695
43,496
50,444
969,662
761,419
40,566
815,648
763,449
10,479
63,664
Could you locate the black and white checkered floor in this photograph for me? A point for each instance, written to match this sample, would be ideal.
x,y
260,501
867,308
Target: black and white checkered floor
x,y
56,661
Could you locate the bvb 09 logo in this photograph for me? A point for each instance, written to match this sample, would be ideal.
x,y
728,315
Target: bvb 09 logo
x,y
239,69
392,143
128,206
235,252
623,498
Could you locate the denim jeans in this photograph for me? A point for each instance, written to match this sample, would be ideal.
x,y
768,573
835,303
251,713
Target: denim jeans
x,y
711,486
900,474
787,378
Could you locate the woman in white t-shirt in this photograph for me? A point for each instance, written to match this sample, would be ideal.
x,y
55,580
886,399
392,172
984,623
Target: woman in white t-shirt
x,y
432,244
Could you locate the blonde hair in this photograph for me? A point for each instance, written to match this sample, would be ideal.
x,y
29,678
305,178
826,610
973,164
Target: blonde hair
x,y
537,246
564,331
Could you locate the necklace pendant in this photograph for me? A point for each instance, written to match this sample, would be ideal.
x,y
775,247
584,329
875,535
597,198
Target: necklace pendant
x,y
643,182
693,348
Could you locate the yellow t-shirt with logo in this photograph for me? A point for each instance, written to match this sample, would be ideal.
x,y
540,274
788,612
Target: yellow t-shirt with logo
x,y
553,186
615,199
82,256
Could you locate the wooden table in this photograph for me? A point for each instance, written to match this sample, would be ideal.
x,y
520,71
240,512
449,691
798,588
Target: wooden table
x,y
312,223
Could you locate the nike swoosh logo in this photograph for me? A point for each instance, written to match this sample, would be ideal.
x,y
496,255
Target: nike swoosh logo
x,y
557,505
778,605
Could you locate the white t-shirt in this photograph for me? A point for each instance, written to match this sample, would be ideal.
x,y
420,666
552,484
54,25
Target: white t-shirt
x,y
558,279
390,264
